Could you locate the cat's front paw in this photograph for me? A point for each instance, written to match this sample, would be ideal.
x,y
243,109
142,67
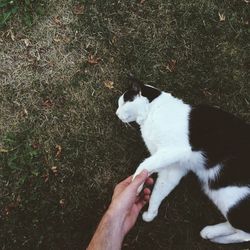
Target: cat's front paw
x,y
147,216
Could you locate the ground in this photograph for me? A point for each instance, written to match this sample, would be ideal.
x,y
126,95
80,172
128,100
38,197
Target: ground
x,y
63,149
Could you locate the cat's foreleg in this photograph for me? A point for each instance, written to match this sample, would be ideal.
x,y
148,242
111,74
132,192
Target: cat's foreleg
x,y
167,180
162,159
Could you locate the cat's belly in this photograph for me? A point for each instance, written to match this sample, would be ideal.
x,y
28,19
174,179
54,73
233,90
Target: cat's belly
x,y
226,197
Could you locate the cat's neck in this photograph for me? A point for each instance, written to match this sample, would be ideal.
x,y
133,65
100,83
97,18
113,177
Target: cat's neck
x,y
165,99
142,115
144,111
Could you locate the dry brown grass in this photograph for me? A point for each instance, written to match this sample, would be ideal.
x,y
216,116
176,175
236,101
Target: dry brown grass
x,y
35,59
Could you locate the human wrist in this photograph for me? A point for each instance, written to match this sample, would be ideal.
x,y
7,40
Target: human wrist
x,y
115,219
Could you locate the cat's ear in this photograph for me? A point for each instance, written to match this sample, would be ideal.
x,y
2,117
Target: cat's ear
x,y
136,84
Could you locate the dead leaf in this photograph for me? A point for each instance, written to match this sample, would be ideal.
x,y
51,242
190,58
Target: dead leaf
x,y
3,150
46,177
47,103
109,84
222,17
93,59
171,65
57,20
58,151
78,9
9,207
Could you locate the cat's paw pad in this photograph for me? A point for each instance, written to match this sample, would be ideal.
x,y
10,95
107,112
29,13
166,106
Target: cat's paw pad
x,y
146,216
208,232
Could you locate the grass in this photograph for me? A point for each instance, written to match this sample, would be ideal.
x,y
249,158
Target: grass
x,y
25,9
62,147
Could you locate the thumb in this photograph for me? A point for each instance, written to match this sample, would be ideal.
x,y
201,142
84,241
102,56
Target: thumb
x,y
139,179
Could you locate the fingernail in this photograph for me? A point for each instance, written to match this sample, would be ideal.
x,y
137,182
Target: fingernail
x,y
144,171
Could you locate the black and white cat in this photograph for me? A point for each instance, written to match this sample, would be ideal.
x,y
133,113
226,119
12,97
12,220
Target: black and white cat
x,y
208,141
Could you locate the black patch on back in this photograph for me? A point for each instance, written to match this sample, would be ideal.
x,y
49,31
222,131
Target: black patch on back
x,y
225,140
239,215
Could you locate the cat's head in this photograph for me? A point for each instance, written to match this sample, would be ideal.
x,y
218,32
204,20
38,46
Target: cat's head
x,y
134,103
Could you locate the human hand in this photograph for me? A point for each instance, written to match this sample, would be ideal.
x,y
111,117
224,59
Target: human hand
x,y
126,203
142,166
122,213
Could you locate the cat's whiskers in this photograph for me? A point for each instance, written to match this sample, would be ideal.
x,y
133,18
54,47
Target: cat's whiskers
x,y
128,124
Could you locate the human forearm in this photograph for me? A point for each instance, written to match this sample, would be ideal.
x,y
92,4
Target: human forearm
x,y
121,214
109,235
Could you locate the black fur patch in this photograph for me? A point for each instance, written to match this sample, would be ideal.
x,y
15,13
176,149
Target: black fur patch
x,y
239,215
225,140
130,95
149,92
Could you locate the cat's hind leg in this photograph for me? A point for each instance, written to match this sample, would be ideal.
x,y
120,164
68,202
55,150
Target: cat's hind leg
x,y
218,230
167,180
233,231
237,237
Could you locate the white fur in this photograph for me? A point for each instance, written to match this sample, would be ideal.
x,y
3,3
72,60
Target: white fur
x,y
164,126
224,233
218,230
237,237
133,111
224,198
167,180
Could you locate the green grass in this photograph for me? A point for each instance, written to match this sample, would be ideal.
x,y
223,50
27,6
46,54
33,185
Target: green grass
x,y
24,8
52,201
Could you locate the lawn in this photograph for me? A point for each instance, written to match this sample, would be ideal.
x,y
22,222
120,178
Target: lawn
x,y
62,149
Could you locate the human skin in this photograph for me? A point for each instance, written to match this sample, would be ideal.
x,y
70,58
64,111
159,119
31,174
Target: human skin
x,y
122,213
